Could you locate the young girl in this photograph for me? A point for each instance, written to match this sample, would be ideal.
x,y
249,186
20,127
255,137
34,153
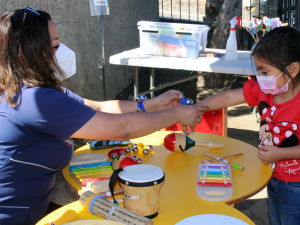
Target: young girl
x,y
276,94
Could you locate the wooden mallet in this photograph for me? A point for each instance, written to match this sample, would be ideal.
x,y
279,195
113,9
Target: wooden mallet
x,y
177,142
225,161
224,157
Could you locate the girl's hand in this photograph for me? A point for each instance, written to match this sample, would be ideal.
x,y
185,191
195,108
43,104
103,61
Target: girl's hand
x,y
269,153
167,100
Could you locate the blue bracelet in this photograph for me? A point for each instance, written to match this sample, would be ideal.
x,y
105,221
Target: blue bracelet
x,y
186,101
140,100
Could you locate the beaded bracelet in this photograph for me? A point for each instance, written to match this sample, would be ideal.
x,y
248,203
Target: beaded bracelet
x,y
140,100
90,202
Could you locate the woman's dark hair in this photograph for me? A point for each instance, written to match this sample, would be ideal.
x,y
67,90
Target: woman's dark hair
x,y
279,48
33,61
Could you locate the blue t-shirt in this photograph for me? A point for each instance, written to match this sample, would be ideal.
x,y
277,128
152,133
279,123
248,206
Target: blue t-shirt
x,y
34,144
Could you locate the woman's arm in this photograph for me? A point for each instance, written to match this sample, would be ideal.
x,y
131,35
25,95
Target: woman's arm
x,y
108,126
166,100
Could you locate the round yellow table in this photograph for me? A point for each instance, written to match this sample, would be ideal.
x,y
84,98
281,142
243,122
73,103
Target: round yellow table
x,y
177,199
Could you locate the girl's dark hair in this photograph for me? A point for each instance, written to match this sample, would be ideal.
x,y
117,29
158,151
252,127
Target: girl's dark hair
x,y
33,63
279,48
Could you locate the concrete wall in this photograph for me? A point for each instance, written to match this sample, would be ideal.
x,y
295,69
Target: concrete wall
x,y
78,30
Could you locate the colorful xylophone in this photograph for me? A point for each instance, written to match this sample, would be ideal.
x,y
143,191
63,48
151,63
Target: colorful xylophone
x,y
214,175
214,182
87,173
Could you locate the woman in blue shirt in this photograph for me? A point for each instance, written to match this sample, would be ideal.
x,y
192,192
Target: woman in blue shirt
x,y
39,117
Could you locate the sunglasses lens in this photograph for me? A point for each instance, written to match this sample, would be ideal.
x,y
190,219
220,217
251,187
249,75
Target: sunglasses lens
x,y
31,11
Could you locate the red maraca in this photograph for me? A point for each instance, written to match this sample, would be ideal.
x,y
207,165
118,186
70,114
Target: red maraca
x,y
177,142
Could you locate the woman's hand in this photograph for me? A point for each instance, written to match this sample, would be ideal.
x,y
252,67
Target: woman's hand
x,y
202,109
189,115
185,128
166,100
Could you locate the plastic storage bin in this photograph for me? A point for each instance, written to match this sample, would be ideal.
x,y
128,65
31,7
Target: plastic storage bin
x,y
172,39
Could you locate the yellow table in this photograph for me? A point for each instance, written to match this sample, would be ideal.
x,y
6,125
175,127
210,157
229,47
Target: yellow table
x,y
177,199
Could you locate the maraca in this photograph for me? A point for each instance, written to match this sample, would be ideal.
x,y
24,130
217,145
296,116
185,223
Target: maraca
x,y
177,142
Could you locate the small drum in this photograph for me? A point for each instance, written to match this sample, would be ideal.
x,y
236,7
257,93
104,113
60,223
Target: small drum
x,y
141,184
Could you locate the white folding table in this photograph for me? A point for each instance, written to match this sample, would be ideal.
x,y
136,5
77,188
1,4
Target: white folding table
x,y
134,57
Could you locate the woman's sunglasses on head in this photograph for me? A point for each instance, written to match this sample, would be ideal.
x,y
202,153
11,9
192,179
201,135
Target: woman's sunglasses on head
x,y
30,11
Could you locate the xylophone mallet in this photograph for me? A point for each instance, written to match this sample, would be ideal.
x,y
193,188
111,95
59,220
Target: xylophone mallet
x,y
236,166
177,142
224,157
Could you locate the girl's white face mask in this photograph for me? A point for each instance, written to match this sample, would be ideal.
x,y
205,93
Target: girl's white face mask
x,y
66,60
268,85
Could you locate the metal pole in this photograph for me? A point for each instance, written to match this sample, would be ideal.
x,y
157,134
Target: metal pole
x,y
259,9
101,59
180,9
168,84
189,11
162,10
171,9
197,10
297,14
136,82
152,82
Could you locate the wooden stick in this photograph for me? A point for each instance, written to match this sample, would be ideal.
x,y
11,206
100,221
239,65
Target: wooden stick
x,y
224,157
104,207
225,161
209,144
116,192
106,193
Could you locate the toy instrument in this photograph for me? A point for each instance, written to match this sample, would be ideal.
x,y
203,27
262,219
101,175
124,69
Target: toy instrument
x,y
177,142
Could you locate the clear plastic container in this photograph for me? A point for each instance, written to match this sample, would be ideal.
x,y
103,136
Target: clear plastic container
x,y
172,39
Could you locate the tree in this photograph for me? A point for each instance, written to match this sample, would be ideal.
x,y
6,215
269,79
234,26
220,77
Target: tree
x,y
218,14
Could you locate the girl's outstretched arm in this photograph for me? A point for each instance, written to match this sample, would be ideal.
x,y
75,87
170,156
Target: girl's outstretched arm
x,y
224,99
218,101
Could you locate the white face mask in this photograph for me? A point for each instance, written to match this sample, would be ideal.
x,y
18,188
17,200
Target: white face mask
x,y
66,60
268,85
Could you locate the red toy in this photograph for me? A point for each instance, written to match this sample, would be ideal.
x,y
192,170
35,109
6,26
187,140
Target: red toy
x,y
123,161
177,142
116,152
